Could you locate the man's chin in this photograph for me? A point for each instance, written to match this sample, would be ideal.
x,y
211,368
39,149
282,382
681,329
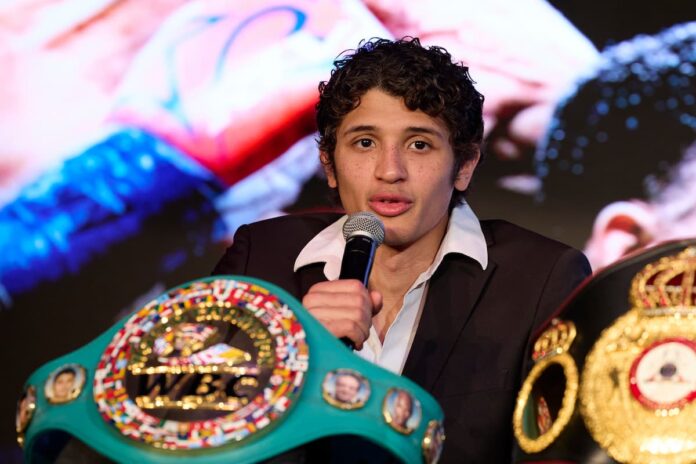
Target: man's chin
x,y
397,241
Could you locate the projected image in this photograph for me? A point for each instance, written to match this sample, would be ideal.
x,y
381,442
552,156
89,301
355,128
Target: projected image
x,y
212,110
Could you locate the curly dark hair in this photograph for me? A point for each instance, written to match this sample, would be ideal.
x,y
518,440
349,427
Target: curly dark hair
x,y
425,77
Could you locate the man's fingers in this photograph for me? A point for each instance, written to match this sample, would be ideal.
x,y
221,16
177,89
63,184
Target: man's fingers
x,y
337,293
350,329
355,315
343,285
335,299
344,307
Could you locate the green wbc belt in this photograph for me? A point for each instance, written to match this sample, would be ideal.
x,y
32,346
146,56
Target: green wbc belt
x,y
223,369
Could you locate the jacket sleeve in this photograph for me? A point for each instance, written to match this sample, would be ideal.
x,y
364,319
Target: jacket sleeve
x,y
236,257
571,269
568,272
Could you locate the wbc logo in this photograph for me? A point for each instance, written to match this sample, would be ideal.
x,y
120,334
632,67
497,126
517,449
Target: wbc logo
x,y
193,366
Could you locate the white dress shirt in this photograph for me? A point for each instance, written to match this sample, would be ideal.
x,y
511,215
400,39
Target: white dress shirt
x,y
463,236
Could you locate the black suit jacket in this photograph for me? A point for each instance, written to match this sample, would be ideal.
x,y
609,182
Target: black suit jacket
x,y
476,326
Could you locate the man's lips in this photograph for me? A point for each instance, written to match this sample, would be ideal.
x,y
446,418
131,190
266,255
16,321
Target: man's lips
x,y
389,205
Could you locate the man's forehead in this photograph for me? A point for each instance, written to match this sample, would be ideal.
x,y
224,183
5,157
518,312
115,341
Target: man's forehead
x,y
378,111
380,125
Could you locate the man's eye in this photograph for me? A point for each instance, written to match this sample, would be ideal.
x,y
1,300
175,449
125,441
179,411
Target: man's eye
x,y
420,145
365,143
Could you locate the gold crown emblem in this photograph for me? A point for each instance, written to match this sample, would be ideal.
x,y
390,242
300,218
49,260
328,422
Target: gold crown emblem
x,y
666,286
554,340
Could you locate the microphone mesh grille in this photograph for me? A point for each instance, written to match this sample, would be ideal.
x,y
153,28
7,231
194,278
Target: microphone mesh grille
x,y
364,223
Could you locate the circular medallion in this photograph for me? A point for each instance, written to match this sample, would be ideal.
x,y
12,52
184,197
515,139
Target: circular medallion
x,y
401,410
635,398
345,389
664,375
546,402
209,363
25,411
64,384
433,441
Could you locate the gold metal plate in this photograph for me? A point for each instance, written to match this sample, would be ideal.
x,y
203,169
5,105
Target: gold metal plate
x,y
548,428
628,428
208,363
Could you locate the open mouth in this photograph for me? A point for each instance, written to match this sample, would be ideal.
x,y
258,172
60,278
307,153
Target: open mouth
x,y
389,205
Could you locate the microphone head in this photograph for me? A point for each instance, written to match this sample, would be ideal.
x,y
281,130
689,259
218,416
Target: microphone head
x,y
364,223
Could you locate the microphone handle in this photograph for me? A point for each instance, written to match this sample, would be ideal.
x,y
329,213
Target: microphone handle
x,y
357,258
357,264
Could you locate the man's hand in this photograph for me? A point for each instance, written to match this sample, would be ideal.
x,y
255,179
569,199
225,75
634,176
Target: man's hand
x,y
344,307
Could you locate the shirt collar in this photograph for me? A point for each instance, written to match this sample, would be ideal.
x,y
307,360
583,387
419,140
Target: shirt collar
x,y
463,236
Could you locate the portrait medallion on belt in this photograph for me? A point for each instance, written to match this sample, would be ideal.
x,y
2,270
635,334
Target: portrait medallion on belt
x,y
65,384
25,411
433,442
345,389
401,410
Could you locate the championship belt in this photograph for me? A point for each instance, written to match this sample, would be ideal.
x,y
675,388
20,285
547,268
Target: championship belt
x,y
222,369
614,374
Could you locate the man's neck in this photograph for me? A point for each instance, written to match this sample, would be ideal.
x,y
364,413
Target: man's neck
x,y
395,270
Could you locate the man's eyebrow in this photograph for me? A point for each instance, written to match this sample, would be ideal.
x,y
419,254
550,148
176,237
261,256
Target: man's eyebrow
x,y
360,128
410,129
425,130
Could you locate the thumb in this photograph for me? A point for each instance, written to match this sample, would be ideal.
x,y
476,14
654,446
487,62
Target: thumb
x,y
376,298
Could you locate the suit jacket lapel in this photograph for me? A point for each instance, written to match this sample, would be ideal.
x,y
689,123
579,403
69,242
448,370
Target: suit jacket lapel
x,y
452,296
308,275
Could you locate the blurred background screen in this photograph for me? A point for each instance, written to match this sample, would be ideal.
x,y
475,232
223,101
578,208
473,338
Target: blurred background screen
x,y
136,137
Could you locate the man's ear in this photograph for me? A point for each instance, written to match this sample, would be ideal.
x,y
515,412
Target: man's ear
x,y
328,169
620,228
466,171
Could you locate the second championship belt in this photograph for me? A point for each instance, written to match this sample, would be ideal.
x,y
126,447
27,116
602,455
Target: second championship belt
x,y
614,375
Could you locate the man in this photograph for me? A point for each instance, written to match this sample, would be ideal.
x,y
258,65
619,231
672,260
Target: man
x,y
451,302
347,388
403,408
63,385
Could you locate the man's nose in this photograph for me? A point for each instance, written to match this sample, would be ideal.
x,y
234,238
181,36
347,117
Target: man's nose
x,y
391,164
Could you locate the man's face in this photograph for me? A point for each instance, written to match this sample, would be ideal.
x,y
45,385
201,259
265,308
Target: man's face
x,y
398,164
402,409
347,388
62,385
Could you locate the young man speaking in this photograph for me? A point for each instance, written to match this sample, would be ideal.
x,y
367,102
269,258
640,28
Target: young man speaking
x,y
452,301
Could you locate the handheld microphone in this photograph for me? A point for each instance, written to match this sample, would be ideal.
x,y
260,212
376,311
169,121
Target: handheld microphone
x,y
363,232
